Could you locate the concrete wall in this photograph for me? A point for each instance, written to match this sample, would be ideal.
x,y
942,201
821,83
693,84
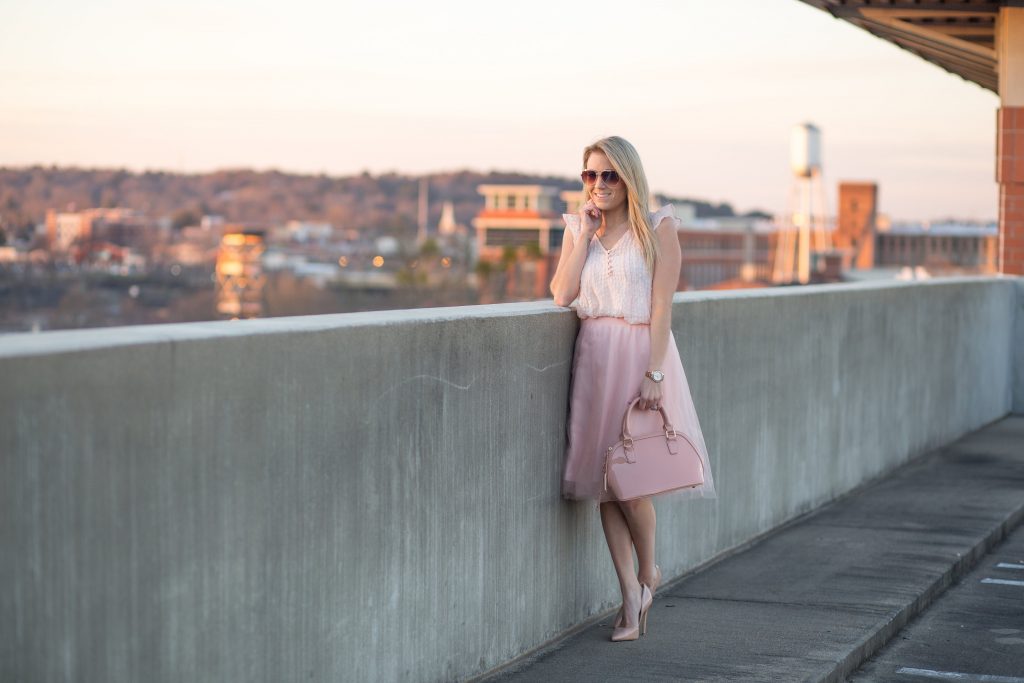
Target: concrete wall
x,y
376,496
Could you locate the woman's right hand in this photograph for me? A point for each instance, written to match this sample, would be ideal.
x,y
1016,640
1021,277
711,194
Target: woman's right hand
x,y
590,219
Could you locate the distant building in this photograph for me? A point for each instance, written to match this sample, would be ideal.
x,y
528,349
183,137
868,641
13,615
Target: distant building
x,y
940,247
9,255
572,199
120,226
515,216
716,257
305,231
867,240
857,224
212,222
65,229
239,273
447,224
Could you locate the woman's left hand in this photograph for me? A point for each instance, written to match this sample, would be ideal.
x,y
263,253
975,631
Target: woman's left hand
x,y
650,395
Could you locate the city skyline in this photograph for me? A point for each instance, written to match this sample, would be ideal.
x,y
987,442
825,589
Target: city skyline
x,y
709,100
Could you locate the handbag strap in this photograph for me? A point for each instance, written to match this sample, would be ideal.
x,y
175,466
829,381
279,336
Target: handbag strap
x,y
627,436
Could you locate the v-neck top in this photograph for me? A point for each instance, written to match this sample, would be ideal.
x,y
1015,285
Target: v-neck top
x,y
616,282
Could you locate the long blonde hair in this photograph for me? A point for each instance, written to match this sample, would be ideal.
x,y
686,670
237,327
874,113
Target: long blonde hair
x,y
626,162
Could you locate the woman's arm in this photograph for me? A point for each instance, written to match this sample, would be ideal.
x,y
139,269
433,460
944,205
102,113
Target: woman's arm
x,y
666,277
565,285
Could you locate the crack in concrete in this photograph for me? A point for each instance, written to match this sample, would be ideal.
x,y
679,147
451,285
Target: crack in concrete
x,y
547,367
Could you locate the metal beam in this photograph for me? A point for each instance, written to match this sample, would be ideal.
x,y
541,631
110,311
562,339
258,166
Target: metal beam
x,y
954,44
943,43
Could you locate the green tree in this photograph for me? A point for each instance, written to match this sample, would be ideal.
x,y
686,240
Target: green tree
x,y
484,269
429,247
184,218
508,256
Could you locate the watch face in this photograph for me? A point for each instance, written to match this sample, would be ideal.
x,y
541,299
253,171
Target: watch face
x,y
657,375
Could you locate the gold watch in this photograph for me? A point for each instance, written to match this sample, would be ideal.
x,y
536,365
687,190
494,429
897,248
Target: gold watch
x,y
656,375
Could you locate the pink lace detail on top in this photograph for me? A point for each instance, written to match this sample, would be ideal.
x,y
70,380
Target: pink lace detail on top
x,y
616,282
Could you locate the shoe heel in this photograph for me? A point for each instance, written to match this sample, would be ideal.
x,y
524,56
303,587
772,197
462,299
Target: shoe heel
x,y
645,608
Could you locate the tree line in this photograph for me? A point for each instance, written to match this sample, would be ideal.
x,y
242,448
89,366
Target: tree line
x,y
387,201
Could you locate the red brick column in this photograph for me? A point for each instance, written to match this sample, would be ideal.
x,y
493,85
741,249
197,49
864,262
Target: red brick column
x,y
1010,176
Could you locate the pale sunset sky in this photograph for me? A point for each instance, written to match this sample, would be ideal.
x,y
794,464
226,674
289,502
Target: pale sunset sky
x,y
708,91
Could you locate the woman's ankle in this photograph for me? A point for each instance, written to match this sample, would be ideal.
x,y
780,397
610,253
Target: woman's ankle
x,y
630,591
650,578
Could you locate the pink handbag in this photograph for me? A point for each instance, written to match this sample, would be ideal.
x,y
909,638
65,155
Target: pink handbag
x,y
649,464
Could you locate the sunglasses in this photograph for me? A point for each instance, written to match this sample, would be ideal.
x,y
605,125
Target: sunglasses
x,y
610,178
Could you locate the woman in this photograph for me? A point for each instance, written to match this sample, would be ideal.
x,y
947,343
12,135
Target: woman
x,y
622,264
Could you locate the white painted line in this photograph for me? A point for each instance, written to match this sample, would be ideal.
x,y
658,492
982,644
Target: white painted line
x,y
954,676
1008,565
1004,582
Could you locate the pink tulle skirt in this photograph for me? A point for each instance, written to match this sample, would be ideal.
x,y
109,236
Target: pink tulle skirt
x,y
608,367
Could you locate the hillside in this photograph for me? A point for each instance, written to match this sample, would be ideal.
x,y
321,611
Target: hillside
x,y
382,202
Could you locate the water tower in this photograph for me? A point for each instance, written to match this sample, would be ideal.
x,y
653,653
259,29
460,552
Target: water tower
x,y
803,226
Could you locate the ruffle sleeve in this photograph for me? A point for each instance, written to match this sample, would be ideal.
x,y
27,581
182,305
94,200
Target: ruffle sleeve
x,y
572,224
667,211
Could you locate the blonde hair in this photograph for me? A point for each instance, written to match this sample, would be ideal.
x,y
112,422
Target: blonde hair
x,y
626,162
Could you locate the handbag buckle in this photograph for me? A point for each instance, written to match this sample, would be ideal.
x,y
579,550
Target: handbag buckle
x,y
627,450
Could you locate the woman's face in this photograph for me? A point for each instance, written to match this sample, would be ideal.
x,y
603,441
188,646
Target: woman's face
x,y
606,197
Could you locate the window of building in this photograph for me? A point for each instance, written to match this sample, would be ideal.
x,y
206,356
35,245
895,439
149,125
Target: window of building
x,y
555,238
515,237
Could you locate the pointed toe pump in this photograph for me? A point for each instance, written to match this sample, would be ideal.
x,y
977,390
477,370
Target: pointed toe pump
x,y
620,617
633,632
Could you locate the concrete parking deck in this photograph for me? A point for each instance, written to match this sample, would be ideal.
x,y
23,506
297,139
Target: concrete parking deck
x,y
815,599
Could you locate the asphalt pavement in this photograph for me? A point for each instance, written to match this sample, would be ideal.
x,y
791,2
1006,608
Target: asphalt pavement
x,y
973,633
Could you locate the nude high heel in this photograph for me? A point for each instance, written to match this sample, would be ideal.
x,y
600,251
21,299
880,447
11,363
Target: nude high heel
x,y
634,632
644,609
617,624
619,616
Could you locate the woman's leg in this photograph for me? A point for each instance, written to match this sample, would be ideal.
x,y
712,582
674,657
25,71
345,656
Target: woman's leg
x,y
640,518
620,545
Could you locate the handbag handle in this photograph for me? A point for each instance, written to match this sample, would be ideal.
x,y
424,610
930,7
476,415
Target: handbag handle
x,y
626,436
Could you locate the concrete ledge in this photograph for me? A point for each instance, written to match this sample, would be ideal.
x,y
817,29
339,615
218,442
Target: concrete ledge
x,y
376,496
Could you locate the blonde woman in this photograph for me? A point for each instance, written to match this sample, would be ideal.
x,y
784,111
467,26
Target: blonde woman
x,y
620,264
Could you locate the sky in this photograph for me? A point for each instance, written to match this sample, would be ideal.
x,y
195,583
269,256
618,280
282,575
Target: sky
x,y
708,92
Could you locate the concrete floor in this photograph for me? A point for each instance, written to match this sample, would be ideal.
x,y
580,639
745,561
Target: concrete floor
x,y
974,632
816,599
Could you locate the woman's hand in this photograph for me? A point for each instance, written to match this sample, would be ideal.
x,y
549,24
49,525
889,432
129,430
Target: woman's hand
x,y
590,220
650,394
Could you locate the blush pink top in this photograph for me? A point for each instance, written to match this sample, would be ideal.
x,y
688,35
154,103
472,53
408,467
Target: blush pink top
x,y
616,282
